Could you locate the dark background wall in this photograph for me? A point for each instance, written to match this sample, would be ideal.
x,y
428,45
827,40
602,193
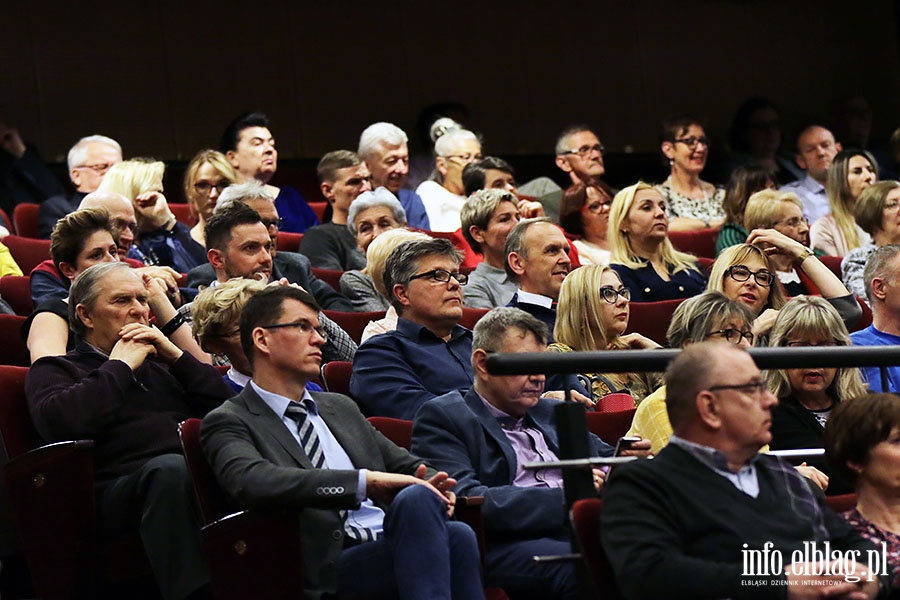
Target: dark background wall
x,y
164,76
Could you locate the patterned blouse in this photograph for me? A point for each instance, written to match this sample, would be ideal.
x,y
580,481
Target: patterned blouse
x,y
876,535
638,385
705,209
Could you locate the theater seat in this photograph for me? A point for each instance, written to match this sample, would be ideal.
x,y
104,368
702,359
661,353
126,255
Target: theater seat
x,y
610,426
398,431
319,209
471,316
16,290
615,402
13,350
329,276
27,252
183,213
699,242
651,319
25,219
585,519
336,376
288,241
354,323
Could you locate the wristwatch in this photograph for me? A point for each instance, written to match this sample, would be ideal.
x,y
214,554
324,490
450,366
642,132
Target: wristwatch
x,y
804,255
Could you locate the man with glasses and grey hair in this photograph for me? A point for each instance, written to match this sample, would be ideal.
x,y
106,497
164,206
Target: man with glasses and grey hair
x,y
715,517
383,146
88,161
429,353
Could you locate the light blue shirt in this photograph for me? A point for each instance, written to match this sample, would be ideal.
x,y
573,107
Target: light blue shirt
x,y
368,515
745,479
812,194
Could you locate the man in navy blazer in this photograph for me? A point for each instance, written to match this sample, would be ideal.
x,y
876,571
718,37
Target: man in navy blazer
x,y
372,524
483,437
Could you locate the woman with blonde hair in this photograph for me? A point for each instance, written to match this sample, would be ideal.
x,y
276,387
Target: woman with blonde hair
x,y
807,396
641,252
162,240
206,176
837,233
592,314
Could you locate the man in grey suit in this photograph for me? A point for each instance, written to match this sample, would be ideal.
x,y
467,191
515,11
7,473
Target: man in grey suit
x,y
372,524
276,265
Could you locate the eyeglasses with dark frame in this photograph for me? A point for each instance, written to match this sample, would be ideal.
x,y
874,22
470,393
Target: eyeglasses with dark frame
x,y
303,325
585,151
740,273
205,187
442,276
611,294
794,222
756,388
98,168
599,208
692,142
269,223
466,157
734,336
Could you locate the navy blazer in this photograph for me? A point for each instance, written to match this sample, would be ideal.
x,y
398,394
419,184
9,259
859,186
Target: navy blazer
x,y
460,436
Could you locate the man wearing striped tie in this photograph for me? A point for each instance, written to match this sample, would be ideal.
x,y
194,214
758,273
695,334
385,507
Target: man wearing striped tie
x,y
374,517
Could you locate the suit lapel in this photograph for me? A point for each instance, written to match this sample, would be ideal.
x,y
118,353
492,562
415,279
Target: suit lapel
x,y
268,423
493,430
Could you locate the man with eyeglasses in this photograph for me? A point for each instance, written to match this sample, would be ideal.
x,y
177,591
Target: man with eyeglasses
x,y
710,503
88,160
374,517
881,276
343,176
429,353
126,386
580,154
816,149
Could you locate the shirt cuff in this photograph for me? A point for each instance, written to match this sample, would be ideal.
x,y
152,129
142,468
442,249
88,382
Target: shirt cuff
x,y
361,486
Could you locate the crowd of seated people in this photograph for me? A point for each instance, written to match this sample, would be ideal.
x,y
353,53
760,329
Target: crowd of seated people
x,y
573,275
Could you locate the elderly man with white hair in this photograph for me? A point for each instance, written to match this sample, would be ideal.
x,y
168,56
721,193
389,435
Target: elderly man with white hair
x,y
383,146
443,196
88,161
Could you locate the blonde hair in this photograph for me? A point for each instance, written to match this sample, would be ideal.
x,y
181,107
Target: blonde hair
x,y
620,248
813,316
764,208
217,307
579,314
218,162
133,177
841,202
380,248
737,255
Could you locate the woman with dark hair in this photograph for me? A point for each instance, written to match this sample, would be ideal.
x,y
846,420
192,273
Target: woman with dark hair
x,y
877,212
836,234
862,446
744,182
755,139
693,203
584,215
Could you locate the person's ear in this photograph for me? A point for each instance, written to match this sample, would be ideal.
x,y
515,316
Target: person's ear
x,y
231,155
68,270
801,162
479,361
401,294
516,263
838,146
85,317
708,409
260,341
441,164
327,190
216,258
563,163
878,290
476,233
75,176
668,150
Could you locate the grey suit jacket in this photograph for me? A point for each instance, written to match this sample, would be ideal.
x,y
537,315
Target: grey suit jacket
x,y
262,467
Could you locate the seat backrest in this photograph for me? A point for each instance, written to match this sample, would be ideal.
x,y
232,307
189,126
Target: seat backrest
x,y
833,263
288,241
651,319
585,519
13,350
329,276
19,435
699,242
27,252
841,503
16,290
354,323
319,209
615,402
25,218
471,316
213,501
864,321
6,222
336,376
398,431
183,213
610,426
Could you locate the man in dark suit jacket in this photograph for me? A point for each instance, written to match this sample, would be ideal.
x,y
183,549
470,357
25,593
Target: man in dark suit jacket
x,y
483,437
278,447
226,262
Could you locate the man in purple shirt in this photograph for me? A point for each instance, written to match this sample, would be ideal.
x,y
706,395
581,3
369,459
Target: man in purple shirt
x,y
482,439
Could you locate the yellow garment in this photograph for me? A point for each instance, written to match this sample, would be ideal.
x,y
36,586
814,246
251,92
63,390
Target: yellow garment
x,y
8,266
638,385
651,421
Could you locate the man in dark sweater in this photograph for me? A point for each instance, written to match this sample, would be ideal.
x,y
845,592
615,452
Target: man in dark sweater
x,y
126,386
710,517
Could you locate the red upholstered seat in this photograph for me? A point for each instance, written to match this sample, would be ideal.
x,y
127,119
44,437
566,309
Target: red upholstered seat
x,y
354,323
585,519
699,242
25,219
610,426
27,252
651,319
16,290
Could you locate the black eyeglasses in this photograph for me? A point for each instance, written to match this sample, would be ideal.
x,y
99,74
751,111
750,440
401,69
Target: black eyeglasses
x,y
734,336
611,294
825,344
740,273
692,142
442,276
204,187
754,387
233,333
303,325
270,223
585,151
598,208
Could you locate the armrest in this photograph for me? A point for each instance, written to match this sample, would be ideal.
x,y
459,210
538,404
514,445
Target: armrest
x,y
251,555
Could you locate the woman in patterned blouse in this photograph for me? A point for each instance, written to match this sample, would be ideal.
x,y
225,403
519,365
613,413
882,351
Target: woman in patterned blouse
x,y
862,444
693,203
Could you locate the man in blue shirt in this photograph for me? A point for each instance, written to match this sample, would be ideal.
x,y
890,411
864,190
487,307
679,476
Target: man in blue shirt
x,y
816,149
429,353
882,279
384,148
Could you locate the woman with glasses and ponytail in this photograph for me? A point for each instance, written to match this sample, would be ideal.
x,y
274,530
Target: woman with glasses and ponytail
x,y
592,314
747,274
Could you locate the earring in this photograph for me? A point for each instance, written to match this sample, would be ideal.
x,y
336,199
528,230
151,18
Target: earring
x,y
671,162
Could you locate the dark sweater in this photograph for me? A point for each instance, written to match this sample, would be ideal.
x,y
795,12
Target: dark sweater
x,y
131,416
674,528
